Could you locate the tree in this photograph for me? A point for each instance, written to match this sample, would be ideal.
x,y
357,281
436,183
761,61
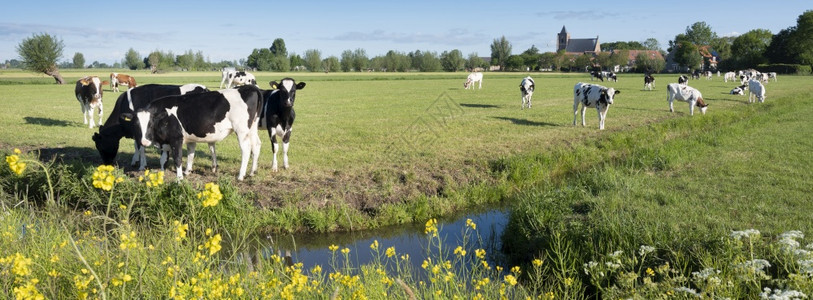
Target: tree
x,y
779,49
313,60
530,57
749,48
133,60
802,38
514,62
603,60
331,64
260,59
631,45
474,61
278,48
395,61
620,58
645,63
452,61
700,34
583,61
347,60
40,53
296,61
78,60
547,60
687,55
652,44
360,60
186,61
500,51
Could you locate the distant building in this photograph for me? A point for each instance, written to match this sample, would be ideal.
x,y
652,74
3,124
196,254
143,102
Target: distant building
x,y
576,46
709,56
633,55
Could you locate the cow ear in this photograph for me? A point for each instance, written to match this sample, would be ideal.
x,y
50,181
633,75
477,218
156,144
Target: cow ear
x,y
126,117
300,85
617,92
273,85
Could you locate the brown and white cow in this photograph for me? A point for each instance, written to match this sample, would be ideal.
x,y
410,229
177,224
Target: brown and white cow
x,y
687,94
89,93
117,79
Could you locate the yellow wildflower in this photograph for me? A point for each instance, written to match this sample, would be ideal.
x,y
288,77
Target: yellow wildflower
x,y
211,195
431,227
537,262
153,179
480,253
650,272
180,230
20,264
28,291
515,270
374,245
345,251
471,224
14,162
510,279
390,252
103,178
333,248
213,244
460,251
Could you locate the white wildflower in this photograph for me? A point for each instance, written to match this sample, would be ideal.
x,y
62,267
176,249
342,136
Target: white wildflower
x,y
801,253
788,244
612,265
644,250
793,234
749,233
778,294
755,265
616,254
589,266
809,246
806,266
705,273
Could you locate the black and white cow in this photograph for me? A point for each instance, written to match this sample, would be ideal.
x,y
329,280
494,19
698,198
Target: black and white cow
x,y
120,122
278,116
241,78
687,94
89,93
227,74
204,118
601,75
740,90
683,79
649,82
592,95
526,89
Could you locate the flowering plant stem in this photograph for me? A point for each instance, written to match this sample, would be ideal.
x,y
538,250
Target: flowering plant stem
x,y
85,262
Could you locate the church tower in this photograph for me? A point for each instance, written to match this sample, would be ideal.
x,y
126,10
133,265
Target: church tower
x,y
564,37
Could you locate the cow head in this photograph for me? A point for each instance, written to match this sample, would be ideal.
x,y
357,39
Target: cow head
x,y
702,105
607,95
287,87
107,143
93,84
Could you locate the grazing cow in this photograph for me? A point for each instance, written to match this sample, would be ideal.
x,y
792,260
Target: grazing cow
x,y
241,78
708,75
683,79
610,76
472,78
117,79
756,90
696,74
649,82
687,94
526,89
730,76
120,122
772,75
278,116
89,93
228,73
740,90
204,118
592,95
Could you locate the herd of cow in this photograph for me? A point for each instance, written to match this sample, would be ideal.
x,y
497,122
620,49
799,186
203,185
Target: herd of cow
x,y
169,116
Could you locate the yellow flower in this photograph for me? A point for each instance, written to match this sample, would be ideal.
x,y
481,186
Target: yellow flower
x,y
471,224
53,273
316,269
510,279
374,245
431,227
28,291
568,281
211,195
345,251
14,162
20,264
333,248
460,251
213,244
537,262
103,178
515,270
650,272
390,252
153,179
480,253
180,230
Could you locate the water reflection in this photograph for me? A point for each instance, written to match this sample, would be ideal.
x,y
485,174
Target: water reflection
x,y
312,249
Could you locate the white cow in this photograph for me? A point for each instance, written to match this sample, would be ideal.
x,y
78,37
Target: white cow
x,y
685,93
772,75
472,78
241,78
592,95
228,73
756,90
730,76
526,88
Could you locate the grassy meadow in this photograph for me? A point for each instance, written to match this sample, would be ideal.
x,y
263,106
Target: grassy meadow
x,y
658,205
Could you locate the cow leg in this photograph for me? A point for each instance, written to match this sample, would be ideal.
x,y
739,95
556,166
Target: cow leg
x,y
165,151
214,157
274,149
177,154
529,100
245,149
584,109
671,108
575,111
255,151
190,157
101,111
691,107
601,115
285,139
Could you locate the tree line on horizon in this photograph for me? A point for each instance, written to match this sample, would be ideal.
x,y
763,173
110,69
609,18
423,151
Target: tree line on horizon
x,y
793,45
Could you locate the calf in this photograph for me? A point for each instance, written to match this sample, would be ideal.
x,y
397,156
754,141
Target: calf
x,y
117,79
278,115
241,78
756,90
708,75
120,122
227,74
592,95
649,82
89,93
526,89
740,90
206,118
472,78
687,94
683,79
772,75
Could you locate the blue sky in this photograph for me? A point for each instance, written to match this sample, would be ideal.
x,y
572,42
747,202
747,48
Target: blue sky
x,y
230,30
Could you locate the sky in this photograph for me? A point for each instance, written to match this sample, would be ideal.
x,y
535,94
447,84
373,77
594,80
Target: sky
x,y
230,30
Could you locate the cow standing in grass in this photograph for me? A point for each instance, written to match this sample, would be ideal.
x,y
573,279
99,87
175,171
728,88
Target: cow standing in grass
x,y
475,77
526,89
227,74
685,93
89,93
592,95
278,116
117,79
649,82
756,91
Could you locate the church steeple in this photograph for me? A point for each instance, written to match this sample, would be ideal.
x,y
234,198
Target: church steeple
x,y
563,39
